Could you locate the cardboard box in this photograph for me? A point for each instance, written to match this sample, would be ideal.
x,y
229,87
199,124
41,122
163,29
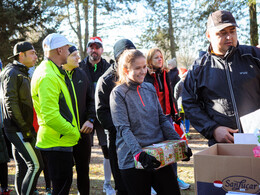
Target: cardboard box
x,y
166,152
225,168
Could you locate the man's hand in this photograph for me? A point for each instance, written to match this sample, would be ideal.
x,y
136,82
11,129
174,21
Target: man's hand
x,y
223,134
87,127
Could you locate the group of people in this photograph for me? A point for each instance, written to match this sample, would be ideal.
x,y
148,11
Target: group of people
x,y
130,104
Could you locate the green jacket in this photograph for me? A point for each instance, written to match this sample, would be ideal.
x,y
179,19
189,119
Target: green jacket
x,y
52,103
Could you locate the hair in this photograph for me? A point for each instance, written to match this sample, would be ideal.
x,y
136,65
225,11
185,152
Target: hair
x,y
149,57
125,61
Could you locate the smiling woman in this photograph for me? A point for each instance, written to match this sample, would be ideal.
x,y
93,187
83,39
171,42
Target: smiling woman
x,y
139,122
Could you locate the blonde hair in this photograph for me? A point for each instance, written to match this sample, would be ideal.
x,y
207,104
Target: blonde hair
x,y
149,58
125,61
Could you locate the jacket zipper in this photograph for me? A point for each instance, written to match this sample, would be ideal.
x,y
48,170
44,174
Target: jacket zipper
x,y
140,95
75,97
232,95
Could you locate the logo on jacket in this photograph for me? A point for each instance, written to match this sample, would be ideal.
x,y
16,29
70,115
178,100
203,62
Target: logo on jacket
x,y
243,72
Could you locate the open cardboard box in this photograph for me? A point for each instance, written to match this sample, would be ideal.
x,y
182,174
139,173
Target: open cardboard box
x,y
222,168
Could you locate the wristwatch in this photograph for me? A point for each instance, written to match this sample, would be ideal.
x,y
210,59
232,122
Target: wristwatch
x,y
91,120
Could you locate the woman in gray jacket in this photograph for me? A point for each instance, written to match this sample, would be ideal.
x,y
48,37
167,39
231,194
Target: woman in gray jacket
x,y
139,121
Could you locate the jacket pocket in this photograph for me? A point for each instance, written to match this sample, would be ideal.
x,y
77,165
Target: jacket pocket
x,y
64,109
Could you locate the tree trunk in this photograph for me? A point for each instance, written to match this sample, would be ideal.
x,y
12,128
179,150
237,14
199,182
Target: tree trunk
x,y
76,2
85,5
171,36
94,18
253,23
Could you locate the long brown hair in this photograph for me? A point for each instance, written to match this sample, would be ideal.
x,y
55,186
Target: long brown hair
x,y
126,60
149,57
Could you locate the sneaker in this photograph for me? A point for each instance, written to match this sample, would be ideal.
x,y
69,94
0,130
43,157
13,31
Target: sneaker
x,y
183,185
153,192
48,191
36,192
108,189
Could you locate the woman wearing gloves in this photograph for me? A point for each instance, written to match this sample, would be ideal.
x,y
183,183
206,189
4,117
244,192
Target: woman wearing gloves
x,y
139,121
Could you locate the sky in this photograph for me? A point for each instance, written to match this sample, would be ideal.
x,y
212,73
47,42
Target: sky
x,y
111,35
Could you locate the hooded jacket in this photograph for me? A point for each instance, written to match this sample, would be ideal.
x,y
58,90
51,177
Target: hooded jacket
x,y
214,84
105,85
52,103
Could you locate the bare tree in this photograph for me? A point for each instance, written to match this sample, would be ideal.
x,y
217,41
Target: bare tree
x,y
253,23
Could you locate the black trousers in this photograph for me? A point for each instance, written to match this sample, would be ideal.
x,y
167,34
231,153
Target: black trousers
x,y
28,162
82,153
60,169
139,181
119,183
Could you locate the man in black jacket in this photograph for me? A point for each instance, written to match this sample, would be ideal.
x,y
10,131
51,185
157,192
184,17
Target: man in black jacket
x,y
18,117
104,87
95,66
84,109
223,85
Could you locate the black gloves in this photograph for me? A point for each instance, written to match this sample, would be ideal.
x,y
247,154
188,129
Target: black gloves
x,y
188,154
148,162
177,119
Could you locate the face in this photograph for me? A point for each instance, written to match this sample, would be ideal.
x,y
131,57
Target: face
x,y
223,39
72,61
94,52
138,70
157,60
28,58
64,53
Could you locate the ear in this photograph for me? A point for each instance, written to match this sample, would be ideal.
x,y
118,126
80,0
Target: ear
x,y
208,35
59,50
125,71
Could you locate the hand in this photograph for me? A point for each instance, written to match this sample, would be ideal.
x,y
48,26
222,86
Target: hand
x,y
27,136
177,119
148,162
224,134
188,154
87,127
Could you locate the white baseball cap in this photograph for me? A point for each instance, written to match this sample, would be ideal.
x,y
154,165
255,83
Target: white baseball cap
x,y
54,41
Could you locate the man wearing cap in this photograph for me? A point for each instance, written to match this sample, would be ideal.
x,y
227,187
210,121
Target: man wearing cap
x,y
18,117
105,85
58,128
223,84
84,105
95,66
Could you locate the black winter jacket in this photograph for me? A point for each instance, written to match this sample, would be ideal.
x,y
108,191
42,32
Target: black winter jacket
x,y
102,66
207,95
105,85
17,100
85,95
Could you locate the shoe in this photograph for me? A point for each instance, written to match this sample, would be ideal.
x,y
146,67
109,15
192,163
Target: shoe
x,y
48,191
108,189
153,192
188,136
36,192
183,185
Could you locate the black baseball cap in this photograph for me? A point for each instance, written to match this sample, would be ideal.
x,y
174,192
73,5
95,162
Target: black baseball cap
x,y
221,19
21,47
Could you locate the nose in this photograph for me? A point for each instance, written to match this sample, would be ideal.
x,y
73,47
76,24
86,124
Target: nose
x,y
229,36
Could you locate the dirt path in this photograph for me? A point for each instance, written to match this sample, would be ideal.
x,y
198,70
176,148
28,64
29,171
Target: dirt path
x,y
185,169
